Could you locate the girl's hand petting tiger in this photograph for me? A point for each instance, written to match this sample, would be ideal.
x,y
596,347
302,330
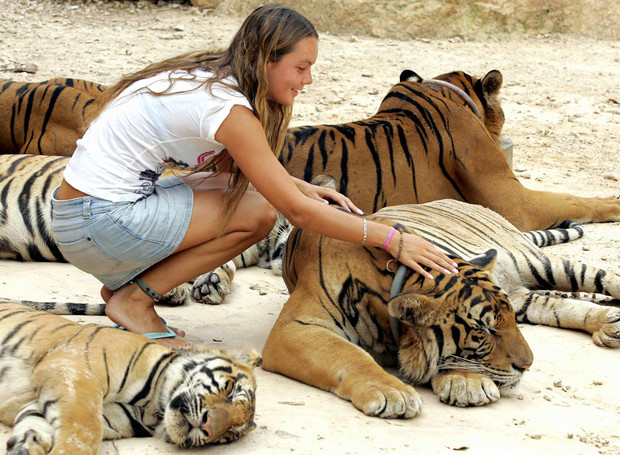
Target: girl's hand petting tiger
x,y
417,252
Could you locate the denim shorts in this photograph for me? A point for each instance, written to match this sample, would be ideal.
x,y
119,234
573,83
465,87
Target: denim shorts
x,y
116,241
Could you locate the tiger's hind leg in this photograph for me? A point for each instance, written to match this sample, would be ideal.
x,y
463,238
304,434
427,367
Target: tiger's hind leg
x,y
213,287
568,311
543,304
66,415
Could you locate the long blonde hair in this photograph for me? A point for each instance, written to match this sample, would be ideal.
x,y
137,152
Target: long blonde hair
x,y
267,34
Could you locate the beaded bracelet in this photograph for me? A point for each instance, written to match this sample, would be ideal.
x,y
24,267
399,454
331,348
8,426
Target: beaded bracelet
x,y
147,290
400,246
397,258
388,238
365,232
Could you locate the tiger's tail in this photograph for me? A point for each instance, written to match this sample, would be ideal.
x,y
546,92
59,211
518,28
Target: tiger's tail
x,y
62,308
564,233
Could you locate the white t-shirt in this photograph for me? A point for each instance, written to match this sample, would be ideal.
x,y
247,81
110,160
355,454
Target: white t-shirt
x,y
127,147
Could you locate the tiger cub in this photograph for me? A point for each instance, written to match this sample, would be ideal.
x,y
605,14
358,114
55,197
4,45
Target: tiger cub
x,y
65,386
459,331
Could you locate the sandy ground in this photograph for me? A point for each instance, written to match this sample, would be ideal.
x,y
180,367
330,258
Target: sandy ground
x,y
561,99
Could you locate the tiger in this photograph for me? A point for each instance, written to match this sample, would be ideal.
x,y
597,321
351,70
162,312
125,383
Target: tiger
x,y
44,117
66,386
430,141
345,319
442,132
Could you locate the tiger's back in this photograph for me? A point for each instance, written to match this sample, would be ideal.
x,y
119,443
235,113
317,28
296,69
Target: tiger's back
x,y
426,143
409,151
26,186
26,127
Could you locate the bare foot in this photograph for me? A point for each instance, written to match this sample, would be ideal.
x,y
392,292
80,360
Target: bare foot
x,y
106,295
134,311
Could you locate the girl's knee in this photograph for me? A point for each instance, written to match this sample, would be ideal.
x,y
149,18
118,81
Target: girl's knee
x,y
256,215
266,218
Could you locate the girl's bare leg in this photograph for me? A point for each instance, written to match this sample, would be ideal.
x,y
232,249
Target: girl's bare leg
x,y
199,252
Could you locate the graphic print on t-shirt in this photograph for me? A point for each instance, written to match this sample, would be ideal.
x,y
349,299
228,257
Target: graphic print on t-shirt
x,y
203,156
148,177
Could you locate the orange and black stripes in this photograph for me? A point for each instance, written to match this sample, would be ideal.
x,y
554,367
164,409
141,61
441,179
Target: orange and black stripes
x,y
44,118
412,150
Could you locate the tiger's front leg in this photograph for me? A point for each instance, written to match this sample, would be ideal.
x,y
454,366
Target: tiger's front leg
x,y
32,433
463,388
66,417
304,349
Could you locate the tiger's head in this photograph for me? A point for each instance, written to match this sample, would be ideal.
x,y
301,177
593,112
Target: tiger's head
x,y
460,322
483,93
211,398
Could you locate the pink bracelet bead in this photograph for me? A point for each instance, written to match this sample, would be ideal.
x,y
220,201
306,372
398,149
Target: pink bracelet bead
x,y
387,242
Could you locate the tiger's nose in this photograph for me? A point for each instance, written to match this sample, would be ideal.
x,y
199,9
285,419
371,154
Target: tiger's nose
x,y
522,366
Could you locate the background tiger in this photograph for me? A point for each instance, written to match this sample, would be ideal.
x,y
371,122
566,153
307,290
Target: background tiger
x,y
44,117
458,331
64,386
426,143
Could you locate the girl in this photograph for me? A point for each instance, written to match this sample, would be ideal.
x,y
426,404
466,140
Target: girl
x,y
141,236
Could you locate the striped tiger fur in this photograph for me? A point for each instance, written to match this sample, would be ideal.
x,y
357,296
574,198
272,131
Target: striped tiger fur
x,y
425,143
458,331
44,117
121,385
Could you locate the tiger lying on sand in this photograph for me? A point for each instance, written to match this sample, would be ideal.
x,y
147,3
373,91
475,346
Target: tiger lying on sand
x,y
65,386
459,331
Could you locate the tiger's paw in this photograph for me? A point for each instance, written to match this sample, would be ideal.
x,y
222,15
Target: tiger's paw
x,y
176,296
388,401
214,286
460,388
29,442
609,334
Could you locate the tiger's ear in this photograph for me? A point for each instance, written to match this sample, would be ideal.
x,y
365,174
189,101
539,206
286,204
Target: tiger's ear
x,y
250,357
412,308
492,83
410,76
485,261
326,181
